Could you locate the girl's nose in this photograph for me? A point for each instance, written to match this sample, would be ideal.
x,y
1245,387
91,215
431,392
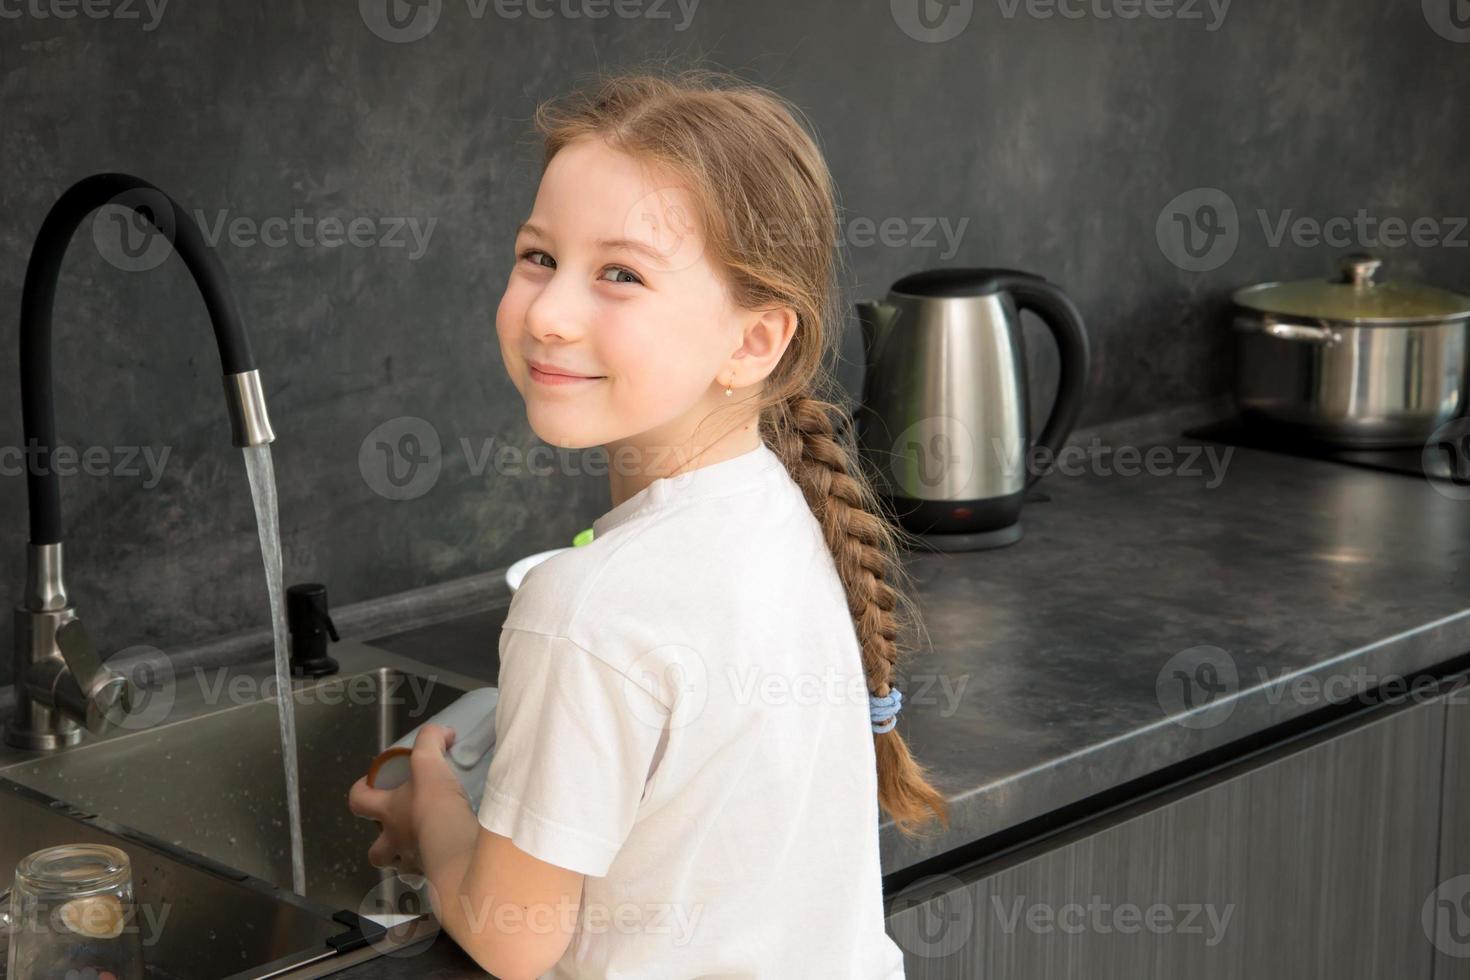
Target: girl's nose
x,y
556,312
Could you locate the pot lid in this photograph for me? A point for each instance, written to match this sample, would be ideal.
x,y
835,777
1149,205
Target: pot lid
x,y
1355,297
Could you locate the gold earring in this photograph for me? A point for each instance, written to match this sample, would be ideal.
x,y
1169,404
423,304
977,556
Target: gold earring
x,y
729,390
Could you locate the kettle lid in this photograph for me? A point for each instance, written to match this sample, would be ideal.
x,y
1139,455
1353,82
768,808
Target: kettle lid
x,y
948,283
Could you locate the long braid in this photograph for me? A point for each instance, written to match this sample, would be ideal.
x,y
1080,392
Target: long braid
x,y
860,540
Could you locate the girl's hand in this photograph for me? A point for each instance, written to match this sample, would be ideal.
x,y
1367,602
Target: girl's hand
x,y
402,812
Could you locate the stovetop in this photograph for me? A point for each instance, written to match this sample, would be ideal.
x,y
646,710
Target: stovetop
x,y
1447,460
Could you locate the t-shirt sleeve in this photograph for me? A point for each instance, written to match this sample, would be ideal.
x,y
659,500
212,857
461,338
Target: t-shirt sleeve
x,y
575,746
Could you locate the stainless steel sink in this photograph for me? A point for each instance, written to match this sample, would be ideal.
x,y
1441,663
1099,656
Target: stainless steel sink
x,y
208,779
193,923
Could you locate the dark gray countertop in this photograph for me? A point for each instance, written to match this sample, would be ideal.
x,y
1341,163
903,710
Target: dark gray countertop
x,y
1327,574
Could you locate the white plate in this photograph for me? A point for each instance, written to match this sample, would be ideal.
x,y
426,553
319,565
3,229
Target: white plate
x,y
517,572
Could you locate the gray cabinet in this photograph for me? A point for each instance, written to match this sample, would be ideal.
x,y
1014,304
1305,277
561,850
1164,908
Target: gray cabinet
x,y
1314,861
1448,911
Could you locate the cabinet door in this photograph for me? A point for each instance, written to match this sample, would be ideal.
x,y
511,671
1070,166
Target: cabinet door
x,y
1314,863
1447,911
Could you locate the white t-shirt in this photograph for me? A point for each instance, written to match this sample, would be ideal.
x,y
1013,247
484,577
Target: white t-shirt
x,y
683,719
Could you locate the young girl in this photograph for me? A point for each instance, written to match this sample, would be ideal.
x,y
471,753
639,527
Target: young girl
x,y
697,709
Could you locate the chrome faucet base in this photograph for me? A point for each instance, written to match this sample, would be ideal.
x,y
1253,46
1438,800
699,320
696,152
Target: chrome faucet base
x,y
37,724
61,684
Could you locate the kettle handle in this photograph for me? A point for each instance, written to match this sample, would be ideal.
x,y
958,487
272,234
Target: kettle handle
x,y
1065,323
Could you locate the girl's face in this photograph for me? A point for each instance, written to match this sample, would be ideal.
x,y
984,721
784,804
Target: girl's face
x,y
610,283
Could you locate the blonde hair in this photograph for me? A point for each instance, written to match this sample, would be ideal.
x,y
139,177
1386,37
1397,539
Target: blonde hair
x,y
768,215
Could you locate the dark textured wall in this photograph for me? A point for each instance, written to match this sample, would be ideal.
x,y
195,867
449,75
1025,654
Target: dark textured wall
x,y
1058,138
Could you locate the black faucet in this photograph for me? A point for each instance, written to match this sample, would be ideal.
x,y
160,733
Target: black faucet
x,y
61,683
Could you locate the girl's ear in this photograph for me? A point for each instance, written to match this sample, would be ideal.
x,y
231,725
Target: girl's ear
x,y
767,335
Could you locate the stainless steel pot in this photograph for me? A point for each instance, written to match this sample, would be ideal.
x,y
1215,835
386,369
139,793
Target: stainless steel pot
x,y
1352,361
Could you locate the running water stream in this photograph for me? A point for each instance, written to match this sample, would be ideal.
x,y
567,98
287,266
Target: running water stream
x,y
263,493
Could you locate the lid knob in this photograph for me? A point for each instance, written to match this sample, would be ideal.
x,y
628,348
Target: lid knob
x,y
1358,269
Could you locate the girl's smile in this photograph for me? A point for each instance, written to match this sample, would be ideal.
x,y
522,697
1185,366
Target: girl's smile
x,y
546,374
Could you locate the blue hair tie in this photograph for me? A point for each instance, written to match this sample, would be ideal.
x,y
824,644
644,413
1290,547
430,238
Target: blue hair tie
x,y
884,710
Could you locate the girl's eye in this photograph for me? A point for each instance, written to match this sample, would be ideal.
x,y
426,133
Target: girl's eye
x,y
535,255
620,271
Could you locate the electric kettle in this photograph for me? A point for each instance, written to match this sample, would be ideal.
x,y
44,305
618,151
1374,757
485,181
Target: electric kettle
x,y
944,422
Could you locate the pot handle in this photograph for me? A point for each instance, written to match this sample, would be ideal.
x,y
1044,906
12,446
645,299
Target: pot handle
x,y
1309,333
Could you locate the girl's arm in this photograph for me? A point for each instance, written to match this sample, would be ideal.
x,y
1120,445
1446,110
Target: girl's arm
x,y
513,913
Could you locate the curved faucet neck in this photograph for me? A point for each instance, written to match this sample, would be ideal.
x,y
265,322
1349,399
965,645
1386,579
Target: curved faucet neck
x,y
38,296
